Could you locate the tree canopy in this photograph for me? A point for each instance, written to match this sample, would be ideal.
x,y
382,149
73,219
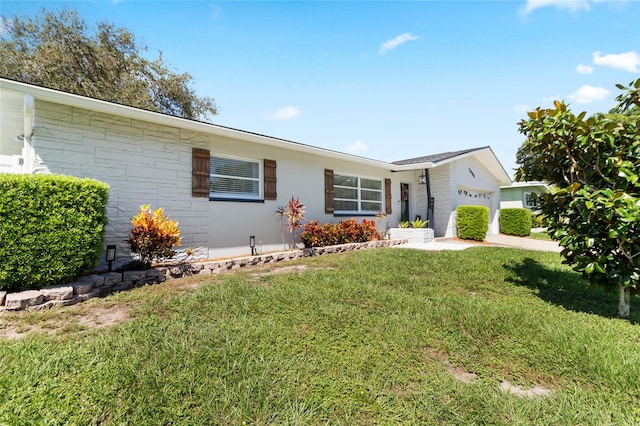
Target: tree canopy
x,y
58,51
594,165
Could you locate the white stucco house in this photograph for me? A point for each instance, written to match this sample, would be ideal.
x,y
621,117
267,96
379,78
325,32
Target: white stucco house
x,y
222,184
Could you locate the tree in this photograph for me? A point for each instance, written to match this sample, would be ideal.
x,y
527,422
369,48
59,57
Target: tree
x,y
594,210
58,51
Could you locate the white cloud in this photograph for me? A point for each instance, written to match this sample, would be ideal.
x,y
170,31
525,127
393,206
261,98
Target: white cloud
x,y
395,42
357,147
286,113
584,69
627,61
587,94
521,108
572,5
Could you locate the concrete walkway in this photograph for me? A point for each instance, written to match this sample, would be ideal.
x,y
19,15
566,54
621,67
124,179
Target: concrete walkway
x,y
491,240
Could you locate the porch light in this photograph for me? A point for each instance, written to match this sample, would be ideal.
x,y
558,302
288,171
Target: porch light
x,y
111,254
422,179
252,244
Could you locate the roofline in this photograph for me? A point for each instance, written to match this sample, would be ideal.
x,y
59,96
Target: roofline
x,y
79,101
526,184
470,153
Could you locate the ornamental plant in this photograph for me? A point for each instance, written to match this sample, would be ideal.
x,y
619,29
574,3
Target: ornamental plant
x,y
344,232
472,222
515,221
153,236
294,214
594,210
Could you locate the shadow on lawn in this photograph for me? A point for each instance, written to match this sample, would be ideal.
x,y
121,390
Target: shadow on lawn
x,y
569,290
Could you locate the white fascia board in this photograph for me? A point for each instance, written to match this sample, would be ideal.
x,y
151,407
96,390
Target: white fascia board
x,y
78,101
410,167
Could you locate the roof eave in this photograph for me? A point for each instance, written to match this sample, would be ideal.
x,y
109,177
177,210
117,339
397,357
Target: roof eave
x,y
70,99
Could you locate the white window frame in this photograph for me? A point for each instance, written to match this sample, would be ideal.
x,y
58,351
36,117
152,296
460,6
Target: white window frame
x,y
534,203
359,199
238,196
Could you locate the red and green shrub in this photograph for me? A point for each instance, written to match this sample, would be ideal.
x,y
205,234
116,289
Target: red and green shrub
x,y
153,236
344,232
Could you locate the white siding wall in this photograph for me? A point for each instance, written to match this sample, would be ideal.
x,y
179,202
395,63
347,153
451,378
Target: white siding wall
x,y
11,122
145,163
470,174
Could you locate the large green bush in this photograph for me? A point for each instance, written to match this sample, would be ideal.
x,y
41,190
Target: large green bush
x,y
51,229
472,222
515,221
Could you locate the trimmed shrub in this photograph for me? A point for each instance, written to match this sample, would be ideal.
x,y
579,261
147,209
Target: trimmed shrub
x,y
51,229
472,222
344,232
515,221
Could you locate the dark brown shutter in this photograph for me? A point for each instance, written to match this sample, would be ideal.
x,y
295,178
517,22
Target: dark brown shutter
x,y
200,172
328,191
387,195
270,180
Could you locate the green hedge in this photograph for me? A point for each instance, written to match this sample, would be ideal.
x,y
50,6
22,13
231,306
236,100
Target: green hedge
x,y
515,221
51,229
472,222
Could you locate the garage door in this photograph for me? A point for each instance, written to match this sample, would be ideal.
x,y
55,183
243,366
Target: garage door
x,y
470,197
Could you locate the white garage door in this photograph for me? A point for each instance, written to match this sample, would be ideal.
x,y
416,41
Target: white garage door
x,y
470,197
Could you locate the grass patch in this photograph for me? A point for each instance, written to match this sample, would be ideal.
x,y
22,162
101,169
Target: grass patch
x,y
382,336
540,236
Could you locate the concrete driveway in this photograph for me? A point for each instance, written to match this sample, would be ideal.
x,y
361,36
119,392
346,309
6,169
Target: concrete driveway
x,y
491,240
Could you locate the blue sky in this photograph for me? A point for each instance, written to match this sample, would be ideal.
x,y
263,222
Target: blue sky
x,y
385,80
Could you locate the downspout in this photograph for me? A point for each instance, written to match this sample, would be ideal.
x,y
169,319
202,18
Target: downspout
x,y
427,182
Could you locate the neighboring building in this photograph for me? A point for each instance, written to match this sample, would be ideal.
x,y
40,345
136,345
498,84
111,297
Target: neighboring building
x,y
522,194
224,185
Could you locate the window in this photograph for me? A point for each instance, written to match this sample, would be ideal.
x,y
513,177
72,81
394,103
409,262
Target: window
x,y
531,200
234,178
228,178
353,194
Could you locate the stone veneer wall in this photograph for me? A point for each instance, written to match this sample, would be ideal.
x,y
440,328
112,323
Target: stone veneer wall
x,y
96,285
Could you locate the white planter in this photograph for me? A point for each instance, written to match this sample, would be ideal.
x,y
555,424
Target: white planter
x,y
413,235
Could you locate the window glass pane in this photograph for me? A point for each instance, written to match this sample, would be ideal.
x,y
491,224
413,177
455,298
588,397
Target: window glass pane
x,y
371,195
233,167
346,205
230,177
371,184
371,206
351,194
234,186
351,181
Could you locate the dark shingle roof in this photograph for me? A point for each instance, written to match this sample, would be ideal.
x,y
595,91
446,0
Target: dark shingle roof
x,y
435,158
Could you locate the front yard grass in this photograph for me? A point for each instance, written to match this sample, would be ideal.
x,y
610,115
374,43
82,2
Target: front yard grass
x,y
385,336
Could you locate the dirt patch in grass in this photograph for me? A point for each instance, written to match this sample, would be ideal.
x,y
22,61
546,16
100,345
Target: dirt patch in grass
x,y
458,373
17,325
536,391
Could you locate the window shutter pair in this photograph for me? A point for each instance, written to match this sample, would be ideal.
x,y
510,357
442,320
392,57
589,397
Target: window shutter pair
x,y
329,193
200,163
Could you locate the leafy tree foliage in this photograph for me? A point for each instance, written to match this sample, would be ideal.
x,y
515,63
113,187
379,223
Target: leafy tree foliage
x,y
594,164
57,50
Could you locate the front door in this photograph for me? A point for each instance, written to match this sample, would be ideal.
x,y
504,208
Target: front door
x,y
405,214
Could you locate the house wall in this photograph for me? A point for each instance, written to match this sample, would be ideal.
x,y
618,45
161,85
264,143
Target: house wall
x,y
511,197
11,122
147,163
441,184
472,175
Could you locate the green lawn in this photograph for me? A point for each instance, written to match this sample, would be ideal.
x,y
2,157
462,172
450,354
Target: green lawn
x,y
385,336
540,236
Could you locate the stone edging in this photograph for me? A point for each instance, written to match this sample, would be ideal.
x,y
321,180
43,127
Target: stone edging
x,y
90,286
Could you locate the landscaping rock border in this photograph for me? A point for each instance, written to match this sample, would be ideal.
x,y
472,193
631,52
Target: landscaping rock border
x,y
95,285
